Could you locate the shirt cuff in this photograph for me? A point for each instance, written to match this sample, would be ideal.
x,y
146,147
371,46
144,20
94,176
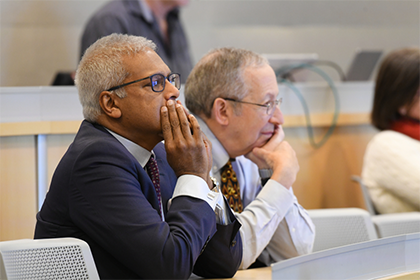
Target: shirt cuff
x,y
276,195
194,186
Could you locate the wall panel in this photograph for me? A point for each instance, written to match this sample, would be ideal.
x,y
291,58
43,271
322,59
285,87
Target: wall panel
x,y
17,187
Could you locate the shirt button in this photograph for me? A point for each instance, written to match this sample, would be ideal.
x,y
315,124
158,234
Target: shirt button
x,y
233,243
293,229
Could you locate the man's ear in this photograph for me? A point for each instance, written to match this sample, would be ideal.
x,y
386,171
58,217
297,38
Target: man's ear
x,y
109,104
220,111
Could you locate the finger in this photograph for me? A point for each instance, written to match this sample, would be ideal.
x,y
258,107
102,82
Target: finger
x,y
185,124
207,143
258,161
195,127
208,146
274,141
259,153
281,132
187,113
185,109
174,120
278,135
165,124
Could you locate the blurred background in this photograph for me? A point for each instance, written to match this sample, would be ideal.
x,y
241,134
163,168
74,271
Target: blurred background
x,y
40,38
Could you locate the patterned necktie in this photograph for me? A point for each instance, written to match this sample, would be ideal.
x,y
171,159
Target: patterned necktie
x,y
153,171
230,187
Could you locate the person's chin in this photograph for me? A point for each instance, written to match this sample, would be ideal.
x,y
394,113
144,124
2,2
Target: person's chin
x,y
262,140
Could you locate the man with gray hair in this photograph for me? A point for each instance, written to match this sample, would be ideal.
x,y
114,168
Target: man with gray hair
x,y
146,209
234,94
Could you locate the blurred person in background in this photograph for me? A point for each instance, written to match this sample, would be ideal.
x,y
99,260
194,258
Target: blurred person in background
x,y
157,20
391,167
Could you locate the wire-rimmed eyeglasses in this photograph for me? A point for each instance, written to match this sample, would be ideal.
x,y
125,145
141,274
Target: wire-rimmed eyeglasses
x,y
271,105
157,81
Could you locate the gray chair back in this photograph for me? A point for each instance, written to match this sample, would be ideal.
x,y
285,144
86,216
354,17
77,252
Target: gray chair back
x,y
58,258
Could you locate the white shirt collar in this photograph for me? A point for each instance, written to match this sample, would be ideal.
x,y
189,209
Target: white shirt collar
x,y
141,154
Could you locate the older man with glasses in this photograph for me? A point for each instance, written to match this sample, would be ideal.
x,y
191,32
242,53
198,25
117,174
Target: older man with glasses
x,y
146,209
234,94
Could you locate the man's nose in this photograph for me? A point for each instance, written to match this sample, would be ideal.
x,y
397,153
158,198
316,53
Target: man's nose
x,y
170,92
277,117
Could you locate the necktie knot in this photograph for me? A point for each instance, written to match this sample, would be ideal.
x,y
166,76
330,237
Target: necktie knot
x,y
230,187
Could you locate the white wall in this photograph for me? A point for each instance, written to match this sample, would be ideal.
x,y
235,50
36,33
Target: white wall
x,y
40,37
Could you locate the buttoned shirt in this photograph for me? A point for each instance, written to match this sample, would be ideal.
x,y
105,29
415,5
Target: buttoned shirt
x,y
274,226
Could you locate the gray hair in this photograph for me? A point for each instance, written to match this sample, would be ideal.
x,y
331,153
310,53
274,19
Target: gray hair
x,y
219,74
102,67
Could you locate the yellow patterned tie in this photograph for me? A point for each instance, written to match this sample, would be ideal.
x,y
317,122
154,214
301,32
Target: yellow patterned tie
x,y
230,187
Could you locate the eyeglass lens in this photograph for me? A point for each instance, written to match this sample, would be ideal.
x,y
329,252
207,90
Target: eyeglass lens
x,y
272,106
158,81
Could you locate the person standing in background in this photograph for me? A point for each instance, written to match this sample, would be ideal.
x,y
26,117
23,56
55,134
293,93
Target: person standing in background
x,y
234,95
391,165
157,20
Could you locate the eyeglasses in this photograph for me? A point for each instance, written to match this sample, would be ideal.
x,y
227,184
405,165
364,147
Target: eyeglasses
x,y
271,106
158,82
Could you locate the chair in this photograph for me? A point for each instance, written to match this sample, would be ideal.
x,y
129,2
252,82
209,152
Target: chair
x,y
366,196
341,226
57,258
397,223
367,260
63,79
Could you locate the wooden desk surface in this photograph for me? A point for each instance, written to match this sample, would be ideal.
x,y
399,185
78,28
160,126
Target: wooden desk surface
x,y
252,274
255,273
265,273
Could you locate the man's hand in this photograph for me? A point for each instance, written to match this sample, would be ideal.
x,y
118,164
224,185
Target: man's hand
x,y
271,144
188,149
279,156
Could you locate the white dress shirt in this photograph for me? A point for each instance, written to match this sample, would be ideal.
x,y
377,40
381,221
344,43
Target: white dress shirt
x,y
186,185
274,226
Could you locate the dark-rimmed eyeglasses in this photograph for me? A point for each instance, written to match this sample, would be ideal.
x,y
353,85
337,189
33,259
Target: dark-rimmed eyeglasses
x,y
271,106
157,81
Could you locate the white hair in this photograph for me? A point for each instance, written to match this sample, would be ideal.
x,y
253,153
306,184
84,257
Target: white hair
x,y
220,73
102,67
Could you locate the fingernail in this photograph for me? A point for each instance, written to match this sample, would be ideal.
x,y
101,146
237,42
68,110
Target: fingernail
x,y
170,102
164,109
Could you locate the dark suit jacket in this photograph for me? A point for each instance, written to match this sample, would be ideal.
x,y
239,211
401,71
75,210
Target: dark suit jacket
x,y
101,194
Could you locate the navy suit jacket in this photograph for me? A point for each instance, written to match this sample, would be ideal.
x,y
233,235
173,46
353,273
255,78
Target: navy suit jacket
x,y
101,194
